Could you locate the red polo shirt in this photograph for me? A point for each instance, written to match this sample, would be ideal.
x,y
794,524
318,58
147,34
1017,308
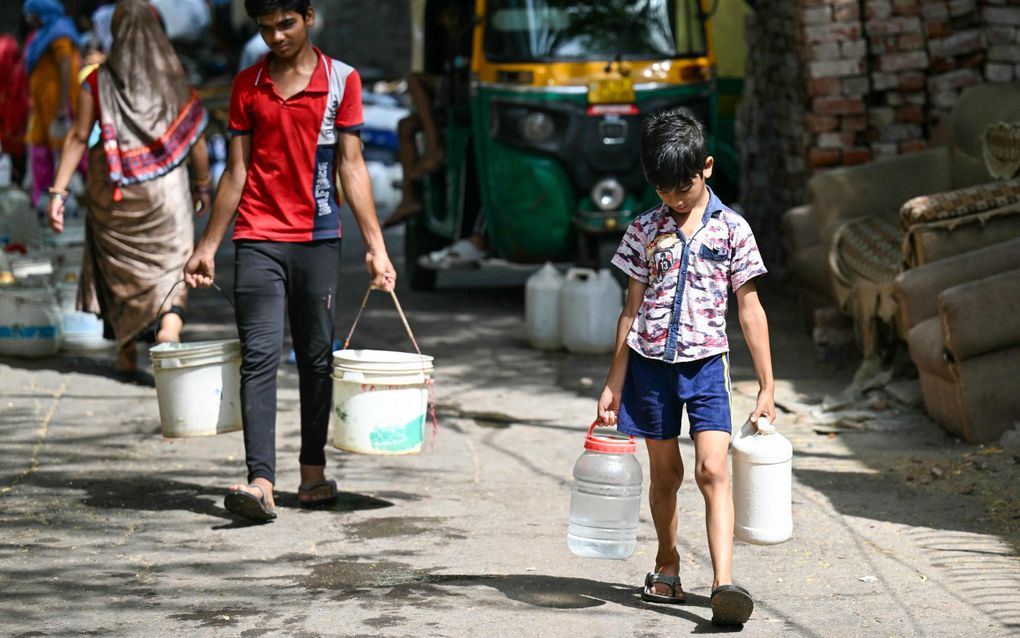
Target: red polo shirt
x,y
290,194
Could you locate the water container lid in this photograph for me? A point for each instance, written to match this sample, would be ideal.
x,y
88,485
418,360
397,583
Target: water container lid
x,y
608,444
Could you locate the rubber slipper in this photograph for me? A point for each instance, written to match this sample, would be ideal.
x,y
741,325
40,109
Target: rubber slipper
x,y
731,605
654,578
249,506
461,254
320,501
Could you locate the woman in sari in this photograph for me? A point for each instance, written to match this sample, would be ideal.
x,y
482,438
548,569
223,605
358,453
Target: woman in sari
x,y
51,59
139,230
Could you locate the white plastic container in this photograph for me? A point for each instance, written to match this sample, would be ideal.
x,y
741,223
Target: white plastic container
x,y
542,308
762,484
605,500
6,170
589,304
82,331
25,267
22,221
380,401
198,387
29,321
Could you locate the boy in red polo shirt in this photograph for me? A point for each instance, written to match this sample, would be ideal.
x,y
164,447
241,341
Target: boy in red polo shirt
x,y
295,118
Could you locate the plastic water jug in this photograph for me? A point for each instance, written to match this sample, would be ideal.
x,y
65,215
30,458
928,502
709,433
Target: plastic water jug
x,y
6,170
762,478
21,219
542,308
605,499
590,304
29,321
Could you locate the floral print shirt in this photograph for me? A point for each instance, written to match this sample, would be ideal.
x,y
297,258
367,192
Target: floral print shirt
x,y
683,313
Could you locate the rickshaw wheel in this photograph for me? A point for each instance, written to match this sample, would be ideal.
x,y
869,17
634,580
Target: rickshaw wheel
x,y
419,241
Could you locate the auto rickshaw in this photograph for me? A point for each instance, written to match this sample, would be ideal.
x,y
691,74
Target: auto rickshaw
x,y
541,128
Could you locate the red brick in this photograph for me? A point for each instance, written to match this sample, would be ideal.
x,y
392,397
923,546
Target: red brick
x,y
821,123
912,114
853,123
856,155
906,7
822,157
942,65
911,81
939,29
909,41
837,106
912,146
972,61
825,86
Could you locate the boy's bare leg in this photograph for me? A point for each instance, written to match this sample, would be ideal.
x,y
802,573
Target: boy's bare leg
x,y
666,471
711,471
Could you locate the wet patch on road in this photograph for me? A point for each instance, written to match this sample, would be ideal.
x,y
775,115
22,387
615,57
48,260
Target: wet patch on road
x,y
224,617
391,526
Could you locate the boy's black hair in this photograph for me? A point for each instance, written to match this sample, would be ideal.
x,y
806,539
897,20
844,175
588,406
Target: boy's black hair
x,y
256,8
674,148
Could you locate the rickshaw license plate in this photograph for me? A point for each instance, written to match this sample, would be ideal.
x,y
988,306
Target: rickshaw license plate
x,y
612,91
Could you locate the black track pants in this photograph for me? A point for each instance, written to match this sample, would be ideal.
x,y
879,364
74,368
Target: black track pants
x,y
269,279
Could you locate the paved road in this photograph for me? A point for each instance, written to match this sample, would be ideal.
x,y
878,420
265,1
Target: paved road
x,y
108,529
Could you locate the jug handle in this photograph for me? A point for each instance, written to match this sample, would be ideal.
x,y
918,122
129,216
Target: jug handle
x,y
595,424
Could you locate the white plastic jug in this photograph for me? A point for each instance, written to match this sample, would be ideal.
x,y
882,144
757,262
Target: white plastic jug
x,y
29,321
589,311
22,221
606,498
6,170
542,308
762,484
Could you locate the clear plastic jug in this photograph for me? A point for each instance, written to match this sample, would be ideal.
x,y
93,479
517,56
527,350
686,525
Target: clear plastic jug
x,y
606,498
762,484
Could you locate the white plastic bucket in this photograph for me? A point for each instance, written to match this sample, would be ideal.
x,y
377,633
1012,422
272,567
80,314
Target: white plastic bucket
x,y
380,401
198,387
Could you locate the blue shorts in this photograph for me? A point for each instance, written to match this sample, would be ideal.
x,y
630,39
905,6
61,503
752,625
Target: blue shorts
x,y
655,393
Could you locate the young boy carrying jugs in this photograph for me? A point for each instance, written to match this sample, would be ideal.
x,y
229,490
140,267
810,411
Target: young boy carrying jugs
x,y
672,351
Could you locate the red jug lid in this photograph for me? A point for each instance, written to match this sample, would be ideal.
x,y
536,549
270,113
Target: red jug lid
x,y
612,444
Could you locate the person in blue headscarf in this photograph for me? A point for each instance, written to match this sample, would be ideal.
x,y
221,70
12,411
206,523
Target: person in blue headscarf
x,y
52,61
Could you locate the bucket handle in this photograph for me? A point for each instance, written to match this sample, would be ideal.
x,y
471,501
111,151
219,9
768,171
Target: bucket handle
x,y
159,311
414,342
400,311
595,424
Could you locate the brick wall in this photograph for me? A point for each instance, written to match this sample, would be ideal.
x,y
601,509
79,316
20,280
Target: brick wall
x,y
841,82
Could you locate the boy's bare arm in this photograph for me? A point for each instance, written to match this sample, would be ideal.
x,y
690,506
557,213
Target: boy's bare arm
x,y
358,189
609,402
200,270
756,332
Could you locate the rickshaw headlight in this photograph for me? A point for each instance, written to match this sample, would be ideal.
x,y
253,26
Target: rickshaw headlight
x,y
608,194
537,127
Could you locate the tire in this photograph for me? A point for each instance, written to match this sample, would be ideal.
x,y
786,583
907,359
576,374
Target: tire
x,y
419,241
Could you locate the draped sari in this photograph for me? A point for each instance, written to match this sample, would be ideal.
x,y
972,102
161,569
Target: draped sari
x,y
139,231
